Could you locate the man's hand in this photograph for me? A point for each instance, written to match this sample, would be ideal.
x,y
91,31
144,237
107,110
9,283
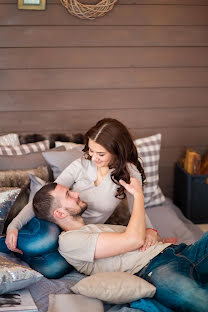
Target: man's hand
x,y
151,238
11,241
133,187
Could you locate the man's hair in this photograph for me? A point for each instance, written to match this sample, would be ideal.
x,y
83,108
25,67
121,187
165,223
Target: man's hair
x,y
44,202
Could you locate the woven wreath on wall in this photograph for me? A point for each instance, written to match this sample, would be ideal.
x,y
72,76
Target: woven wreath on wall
x,y
88,11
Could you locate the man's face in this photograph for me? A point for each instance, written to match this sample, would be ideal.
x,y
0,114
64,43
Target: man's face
x,y
69,200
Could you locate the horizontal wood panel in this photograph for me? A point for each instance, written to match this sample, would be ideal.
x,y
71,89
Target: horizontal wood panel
x,y
173,154
104,99
140,2
101,57
102,78
71,36
120,15
176,136
136,118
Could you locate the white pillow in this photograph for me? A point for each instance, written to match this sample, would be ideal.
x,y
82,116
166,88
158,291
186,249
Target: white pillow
x,y
68,145
9,139
114,287
149,153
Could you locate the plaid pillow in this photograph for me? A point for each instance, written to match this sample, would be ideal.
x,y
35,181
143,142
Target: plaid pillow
x,y
149,151
24,148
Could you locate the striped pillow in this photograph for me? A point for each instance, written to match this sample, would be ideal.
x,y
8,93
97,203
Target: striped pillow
x,y
24,148
149,151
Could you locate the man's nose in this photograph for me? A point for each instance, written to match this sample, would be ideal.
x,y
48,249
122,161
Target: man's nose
x,y
75,194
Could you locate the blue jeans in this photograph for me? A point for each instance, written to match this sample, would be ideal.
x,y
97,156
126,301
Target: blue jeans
x,y
180,275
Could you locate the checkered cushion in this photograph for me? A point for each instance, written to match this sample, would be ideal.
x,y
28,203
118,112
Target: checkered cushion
x,y
149,151
24,148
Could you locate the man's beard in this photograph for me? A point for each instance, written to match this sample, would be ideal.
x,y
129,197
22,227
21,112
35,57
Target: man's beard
x,y
79,213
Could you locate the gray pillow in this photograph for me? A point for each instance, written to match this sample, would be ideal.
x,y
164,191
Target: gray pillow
x,y
14,276
7,199
35,185
60,160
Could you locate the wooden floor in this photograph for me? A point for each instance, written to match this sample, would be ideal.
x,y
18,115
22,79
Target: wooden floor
x,y
203,227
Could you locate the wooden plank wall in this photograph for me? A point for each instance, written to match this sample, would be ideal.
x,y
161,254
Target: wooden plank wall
x,y
145,63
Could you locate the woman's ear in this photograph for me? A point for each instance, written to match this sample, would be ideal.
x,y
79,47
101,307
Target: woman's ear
x,y
60,213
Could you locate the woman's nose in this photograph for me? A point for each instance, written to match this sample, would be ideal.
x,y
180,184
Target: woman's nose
x,y
94,157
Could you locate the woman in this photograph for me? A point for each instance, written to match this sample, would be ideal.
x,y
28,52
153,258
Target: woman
x,y
109,155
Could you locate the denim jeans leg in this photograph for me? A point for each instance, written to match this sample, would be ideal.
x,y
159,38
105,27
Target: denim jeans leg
x,y
198,254
176,287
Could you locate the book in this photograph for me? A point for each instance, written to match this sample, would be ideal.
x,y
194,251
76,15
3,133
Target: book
x,y
19,300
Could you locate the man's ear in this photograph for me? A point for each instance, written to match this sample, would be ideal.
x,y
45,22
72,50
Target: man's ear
x,y
60,213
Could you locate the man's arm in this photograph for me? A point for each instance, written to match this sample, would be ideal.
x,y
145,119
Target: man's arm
x,y
113,244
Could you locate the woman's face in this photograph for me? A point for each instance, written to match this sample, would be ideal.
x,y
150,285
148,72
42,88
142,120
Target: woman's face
x,y
100,156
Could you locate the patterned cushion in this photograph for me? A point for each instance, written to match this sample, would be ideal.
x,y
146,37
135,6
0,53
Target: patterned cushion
x,y
7,199
149,151
24,148
9,139
15,275
20,178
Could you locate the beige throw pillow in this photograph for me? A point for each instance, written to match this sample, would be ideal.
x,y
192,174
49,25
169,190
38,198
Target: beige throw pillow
x,y
114,287
74,303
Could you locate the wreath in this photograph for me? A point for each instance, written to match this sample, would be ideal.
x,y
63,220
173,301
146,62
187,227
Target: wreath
x,y
88,11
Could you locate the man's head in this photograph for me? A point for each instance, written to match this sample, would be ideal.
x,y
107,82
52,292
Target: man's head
x,y
54,202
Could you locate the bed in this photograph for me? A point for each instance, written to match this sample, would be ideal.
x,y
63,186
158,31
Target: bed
x,y
165,217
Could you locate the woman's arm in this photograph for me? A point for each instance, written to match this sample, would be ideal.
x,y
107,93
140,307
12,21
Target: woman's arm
x,y
25,215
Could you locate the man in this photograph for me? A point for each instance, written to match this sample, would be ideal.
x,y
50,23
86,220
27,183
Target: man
x,y
180,273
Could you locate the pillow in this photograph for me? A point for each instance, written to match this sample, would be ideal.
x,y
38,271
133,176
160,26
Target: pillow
x,y
19,204
27,161
24,148
9,139
7,199
20,178
149,151
14,276
68,145
60,160
77,303
35,185
114,287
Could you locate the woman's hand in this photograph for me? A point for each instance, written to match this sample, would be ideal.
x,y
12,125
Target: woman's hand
x,y
151,237
11,241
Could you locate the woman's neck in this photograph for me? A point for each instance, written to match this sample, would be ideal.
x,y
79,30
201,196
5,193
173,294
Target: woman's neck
x,y
103,171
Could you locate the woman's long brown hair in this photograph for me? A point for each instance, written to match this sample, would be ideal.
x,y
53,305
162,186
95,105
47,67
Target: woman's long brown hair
x,y
116,139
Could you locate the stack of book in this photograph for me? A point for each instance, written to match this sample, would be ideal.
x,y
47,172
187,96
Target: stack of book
x,y
19,300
